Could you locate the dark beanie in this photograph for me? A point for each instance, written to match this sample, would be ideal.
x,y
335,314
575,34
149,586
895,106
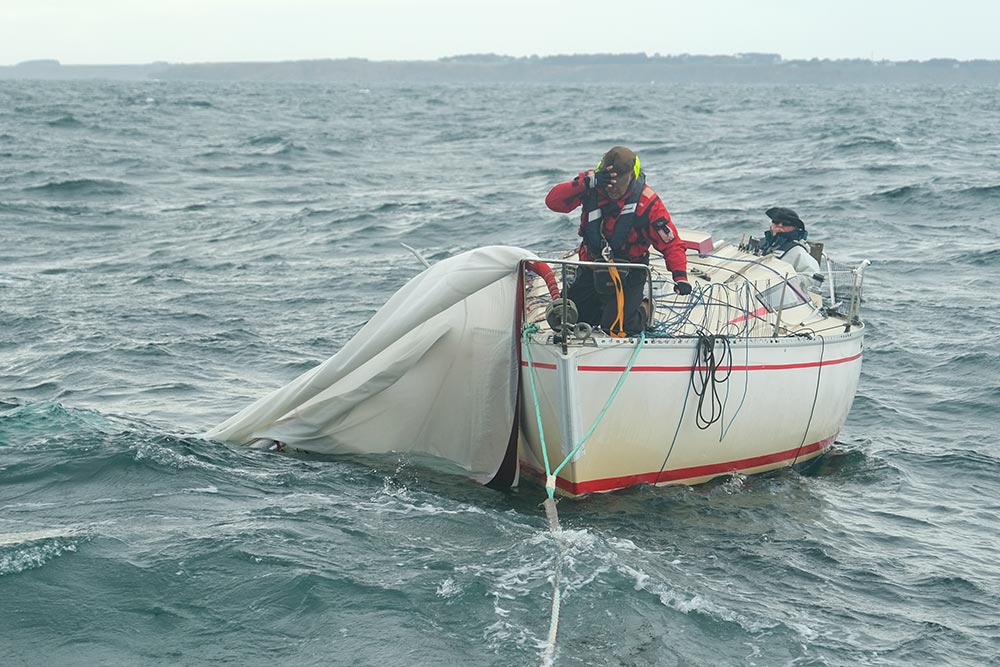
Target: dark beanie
x,y
785,216
619,159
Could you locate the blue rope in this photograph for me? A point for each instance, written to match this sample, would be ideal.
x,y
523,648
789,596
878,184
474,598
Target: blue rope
x,y
682,315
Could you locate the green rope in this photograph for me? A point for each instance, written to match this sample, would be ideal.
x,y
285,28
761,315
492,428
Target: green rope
x,y
607,406
548,655
528,330
550,475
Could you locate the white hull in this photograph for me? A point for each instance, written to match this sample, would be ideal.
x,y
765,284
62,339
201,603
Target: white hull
x,y
787,365
783,403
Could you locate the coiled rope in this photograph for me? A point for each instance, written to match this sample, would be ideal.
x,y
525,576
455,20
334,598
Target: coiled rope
x,y
707,378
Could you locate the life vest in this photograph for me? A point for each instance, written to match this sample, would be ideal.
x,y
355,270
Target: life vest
x,y
801,244
780,244
783,249
592,228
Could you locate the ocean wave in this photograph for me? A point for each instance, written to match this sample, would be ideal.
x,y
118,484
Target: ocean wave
x,y
879,168
12,207
901,194
969,462
72,210
30,550
36,419
142,100
971,401
261,168
874,406
308,213
335,152
867,143
97,456
985,192
979,360
396,206
266,140
215,153
153,279
847,462
285,148
82,187
66,121
702,605
272,145
701,108
189,208
945,586
982,257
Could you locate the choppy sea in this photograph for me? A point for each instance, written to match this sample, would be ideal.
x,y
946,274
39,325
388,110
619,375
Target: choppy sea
x,y
170,252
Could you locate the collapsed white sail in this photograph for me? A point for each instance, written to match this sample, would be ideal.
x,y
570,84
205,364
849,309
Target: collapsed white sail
x,y
433,372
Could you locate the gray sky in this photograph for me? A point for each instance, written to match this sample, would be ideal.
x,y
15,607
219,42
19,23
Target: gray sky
x,y
141,31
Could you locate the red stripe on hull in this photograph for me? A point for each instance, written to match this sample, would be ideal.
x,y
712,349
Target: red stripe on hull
x,y
536,364
694,472
688,369
756,367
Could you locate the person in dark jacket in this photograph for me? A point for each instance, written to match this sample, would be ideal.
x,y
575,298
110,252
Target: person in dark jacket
x,y
786,240
621,218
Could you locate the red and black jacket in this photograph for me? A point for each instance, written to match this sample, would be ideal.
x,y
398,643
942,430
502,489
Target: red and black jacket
x,y
628,225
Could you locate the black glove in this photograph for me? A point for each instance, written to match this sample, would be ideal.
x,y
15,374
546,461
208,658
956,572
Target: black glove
x,y
682,287
596,179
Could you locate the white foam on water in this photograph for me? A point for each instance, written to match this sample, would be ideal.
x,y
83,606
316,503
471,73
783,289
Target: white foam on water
x,y
204,489
448,589
29,536
28,550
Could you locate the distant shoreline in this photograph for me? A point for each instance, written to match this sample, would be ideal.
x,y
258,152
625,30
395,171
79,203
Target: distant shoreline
x,y
492,68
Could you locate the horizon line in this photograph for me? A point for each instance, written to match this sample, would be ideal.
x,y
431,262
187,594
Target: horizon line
x,y
760,56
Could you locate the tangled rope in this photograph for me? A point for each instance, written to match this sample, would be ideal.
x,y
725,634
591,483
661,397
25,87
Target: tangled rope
x,y
706,377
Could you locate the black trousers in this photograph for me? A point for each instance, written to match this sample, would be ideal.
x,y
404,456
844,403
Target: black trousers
x,y
599,307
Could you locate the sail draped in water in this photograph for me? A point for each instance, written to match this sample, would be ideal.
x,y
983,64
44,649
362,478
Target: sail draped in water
x,y
433,372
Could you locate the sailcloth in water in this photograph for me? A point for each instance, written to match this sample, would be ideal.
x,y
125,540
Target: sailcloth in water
x,y
433,372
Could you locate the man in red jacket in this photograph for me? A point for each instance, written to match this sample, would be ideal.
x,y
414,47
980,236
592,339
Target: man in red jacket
x,y
621,218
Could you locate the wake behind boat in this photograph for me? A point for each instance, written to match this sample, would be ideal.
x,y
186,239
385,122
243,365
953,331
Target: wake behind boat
x,y
756,369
